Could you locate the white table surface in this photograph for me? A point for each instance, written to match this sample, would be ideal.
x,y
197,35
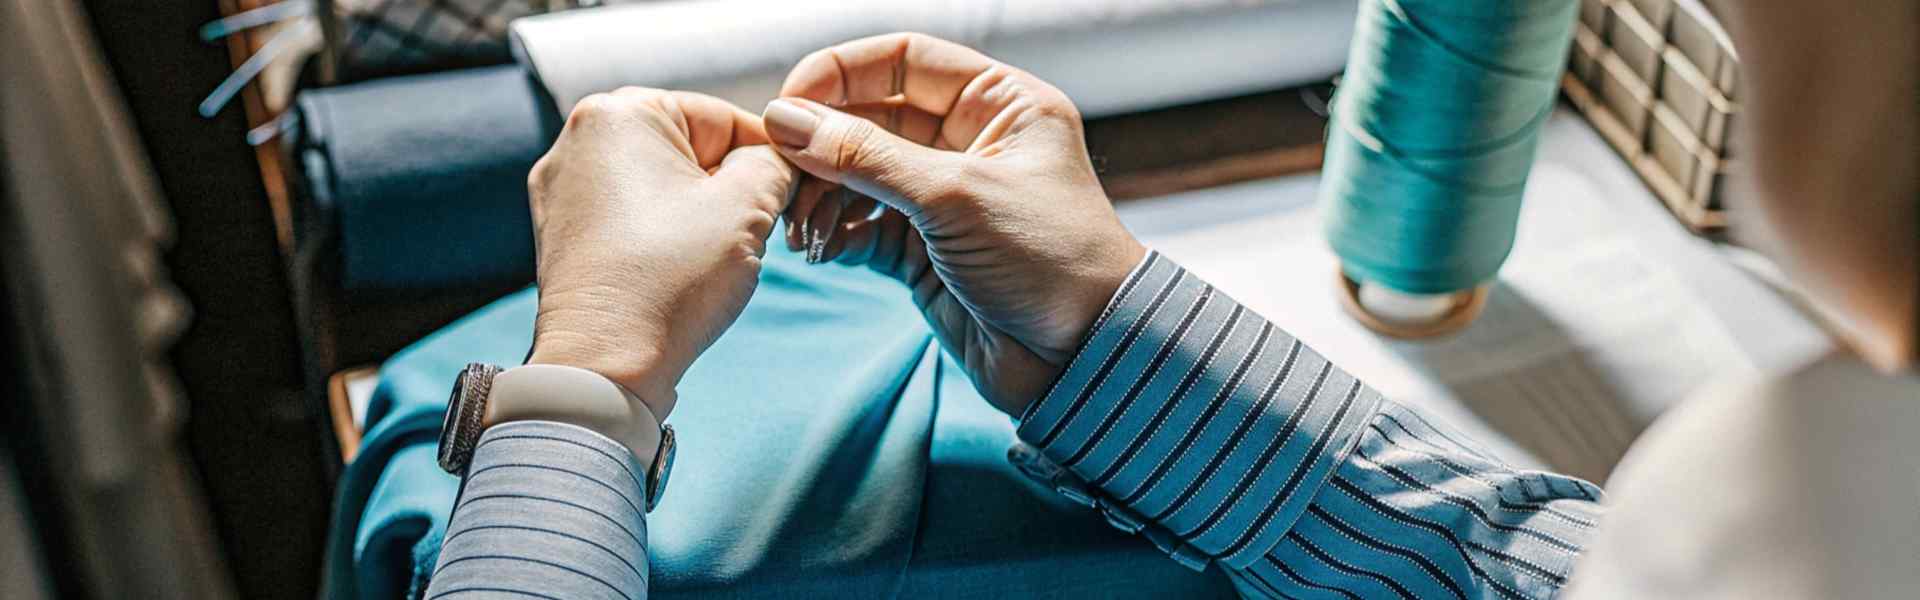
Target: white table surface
x,y
1686,313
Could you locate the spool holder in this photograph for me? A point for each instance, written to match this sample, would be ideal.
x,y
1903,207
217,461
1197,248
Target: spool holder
x,y
1465,306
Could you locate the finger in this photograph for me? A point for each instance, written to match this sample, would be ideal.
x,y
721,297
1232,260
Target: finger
x,y
760,176
913,124
811,192
855,152
861,206
822,223
628,111
856,242
853,243
929,72
890,254
962,88
856,208
711,127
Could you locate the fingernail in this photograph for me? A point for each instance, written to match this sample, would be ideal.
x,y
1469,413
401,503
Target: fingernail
x,y
822,222
814,247
789,124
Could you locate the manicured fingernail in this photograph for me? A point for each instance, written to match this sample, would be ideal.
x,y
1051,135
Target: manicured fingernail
x,y
790,124
821,224
814,247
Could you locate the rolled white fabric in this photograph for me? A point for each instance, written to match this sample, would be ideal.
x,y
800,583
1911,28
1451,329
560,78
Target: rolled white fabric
x,y
1111,56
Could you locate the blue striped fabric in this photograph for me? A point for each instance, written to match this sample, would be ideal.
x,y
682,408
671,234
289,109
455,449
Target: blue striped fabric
x,y
1197,423
547,510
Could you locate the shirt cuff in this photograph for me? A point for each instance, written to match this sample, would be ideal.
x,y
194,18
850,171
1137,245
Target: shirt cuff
x,y
1193,420
547,508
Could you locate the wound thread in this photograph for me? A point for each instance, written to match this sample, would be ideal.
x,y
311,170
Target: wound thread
x,y
1433,133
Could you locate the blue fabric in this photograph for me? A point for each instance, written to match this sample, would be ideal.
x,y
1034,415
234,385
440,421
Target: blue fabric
x,y
1183,417
828,447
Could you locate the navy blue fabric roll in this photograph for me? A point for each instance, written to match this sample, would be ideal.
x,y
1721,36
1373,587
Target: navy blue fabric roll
x,y
420,181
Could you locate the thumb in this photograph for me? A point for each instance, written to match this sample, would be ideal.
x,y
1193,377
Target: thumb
x,y
855,152
758,171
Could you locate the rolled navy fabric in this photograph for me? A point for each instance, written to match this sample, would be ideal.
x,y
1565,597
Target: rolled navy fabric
x,y
420,182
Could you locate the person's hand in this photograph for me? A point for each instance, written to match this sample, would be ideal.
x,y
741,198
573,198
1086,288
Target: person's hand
x,y
995,218
650,217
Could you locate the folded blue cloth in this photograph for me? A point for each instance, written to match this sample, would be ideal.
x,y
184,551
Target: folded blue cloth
x,y
827,447
397,169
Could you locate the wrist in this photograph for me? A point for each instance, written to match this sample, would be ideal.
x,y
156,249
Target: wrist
x,y
573,396
1128,255
638,369
1101,287
1092,290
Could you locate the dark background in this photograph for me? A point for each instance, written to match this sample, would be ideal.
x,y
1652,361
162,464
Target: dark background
x,y
248,431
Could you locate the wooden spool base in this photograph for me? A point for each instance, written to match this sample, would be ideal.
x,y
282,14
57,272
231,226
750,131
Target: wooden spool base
x,y
1466,306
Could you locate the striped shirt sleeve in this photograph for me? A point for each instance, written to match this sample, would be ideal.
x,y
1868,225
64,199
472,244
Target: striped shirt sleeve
x,y
547,510
1196,423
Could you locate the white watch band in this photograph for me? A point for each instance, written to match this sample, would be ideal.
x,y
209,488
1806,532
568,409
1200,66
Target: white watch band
x,y
578,397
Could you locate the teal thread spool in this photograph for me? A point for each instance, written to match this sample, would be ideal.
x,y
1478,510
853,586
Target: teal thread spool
x,y
1433,133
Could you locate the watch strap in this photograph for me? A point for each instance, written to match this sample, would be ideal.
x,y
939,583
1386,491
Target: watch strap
x,y
577,396
484,395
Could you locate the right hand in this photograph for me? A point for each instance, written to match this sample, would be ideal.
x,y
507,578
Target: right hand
x,y
993,214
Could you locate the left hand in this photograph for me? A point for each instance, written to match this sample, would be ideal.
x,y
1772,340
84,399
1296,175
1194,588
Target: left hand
x,y
651,215
995,218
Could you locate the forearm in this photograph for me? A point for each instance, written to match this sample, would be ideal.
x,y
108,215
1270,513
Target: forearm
x,y
546,510
1224,440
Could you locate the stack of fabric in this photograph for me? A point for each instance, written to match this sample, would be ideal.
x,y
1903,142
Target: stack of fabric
x,y
802,471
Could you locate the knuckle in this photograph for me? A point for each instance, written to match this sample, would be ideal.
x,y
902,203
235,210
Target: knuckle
x,y
537,178
856,147
592,109
1050,102
922,40
758,224
916,38
1059,107
636,91
544,172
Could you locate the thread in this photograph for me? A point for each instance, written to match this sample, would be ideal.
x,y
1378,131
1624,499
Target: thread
x,y
1432,137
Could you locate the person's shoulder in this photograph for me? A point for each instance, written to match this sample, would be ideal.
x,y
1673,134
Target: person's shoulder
x,y
1799,485
1824,403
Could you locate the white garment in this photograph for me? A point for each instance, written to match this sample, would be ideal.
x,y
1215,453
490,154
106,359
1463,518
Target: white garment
x,y
1803,487
1110,56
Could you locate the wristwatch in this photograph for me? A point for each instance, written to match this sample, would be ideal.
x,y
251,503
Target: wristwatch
x,y
485,395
